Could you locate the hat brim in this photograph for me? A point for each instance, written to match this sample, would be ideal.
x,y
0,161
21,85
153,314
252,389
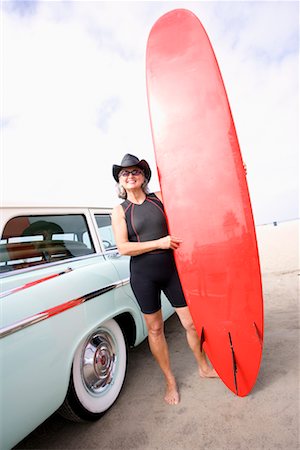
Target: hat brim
x,y
142,165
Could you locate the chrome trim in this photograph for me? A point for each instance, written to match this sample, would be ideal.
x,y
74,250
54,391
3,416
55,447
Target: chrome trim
x,y
17,326
33,283
28,321
49,264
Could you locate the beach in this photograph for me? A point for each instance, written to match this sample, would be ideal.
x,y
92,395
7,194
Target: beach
x,y
278,247
208,416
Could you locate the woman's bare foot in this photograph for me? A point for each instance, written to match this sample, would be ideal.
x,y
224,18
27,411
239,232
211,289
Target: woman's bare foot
x,y
208,372
172,394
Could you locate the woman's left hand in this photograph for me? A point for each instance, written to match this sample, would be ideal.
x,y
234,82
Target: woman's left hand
x,y
169,242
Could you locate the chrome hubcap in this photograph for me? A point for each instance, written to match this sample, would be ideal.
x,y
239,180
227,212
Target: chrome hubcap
x,y
99,362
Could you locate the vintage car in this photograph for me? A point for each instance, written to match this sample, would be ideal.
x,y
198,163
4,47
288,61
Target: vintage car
x,y
68,316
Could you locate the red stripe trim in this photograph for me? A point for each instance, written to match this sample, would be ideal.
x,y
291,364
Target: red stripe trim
x,y
132,224
157,206
125,211
63,307
46,314
33,283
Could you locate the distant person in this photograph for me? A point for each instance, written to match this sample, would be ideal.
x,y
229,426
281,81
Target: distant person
x,y
140,230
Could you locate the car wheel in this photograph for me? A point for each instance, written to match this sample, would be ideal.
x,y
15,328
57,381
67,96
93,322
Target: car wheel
x,y
98,373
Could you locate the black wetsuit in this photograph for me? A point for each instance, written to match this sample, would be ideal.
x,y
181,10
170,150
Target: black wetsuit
x,y
155,271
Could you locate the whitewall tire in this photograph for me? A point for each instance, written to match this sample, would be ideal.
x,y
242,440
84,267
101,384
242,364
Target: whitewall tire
x,y
98,373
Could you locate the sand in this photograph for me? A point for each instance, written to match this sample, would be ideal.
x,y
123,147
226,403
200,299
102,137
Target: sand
x,y
209,416
278,247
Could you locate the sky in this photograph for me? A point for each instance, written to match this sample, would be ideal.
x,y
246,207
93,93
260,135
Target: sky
x,y
73,97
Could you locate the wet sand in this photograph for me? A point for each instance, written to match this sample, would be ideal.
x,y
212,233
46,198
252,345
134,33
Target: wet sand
x,y
209,416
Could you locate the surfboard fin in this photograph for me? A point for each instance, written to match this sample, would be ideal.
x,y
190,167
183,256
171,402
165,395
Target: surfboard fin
x,y
234,365
258,334
202,339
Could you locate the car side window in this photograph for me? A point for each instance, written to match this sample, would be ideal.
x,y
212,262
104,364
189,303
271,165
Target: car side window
x,y
30,240
105,231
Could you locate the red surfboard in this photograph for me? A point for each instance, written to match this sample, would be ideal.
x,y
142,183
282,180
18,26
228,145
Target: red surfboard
x,y
206,198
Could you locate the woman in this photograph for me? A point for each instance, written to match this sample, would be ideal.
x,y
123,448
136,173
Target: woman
x,y
140,230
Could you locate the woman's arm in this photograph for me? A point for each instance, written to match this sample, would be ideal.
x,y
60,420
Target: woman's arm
x,y
159,195
137,248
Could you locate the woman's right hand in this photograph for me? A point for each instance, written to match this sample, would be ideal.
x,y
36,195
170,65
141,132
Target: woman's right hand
x,y
168,242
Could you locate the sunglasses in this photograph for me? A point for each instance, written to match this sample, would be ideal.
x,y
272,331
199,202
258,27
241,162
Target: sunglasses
x,y
134,172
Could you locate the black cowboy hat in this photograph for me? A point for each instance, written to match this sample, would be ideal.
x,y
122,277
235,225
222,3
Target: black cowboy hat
x,y
131,160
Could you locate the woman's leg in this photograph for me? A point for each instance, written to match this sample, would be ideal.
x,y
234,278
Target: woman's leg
x,y
159,348
194,342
